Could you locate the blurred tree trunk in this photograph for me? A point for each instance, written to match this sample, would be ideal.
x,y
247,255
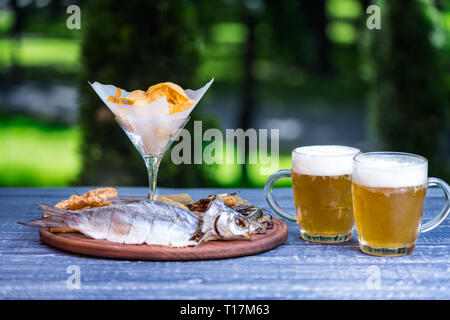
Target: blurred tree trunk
x,y
408,104
365,4
16,32
317,21
248,94
298,31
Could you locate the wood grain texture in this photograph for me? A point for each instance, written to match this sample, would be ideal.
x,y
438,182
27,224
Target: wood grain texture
x,y
297,269
79,243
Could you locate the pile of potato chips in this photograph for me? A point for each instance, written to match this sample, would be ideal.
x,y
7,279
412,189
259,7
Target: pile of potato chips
x,y
177,98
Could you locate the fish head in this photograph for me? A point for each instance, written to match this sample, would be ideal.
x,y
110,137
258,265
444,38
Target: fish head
x,y
224,223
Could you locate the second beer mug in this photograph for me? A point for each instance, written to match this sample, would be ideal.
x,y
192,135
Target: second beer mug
x,y
321,183
388,194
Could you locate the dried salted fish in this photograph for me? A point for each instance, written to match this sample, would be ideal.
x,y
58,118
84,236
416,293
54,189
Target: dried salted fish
x,y
153,223
238,204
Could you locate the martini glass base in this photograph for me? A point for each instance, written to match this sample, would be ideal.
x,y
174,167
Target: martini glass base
x,y
152,164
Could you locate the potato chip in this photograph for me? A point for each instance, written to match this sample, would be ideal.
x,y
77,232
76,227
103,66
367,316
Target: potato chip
x,y
139,97
157,87
174,93
177,99
177,89
180,107
156,94
118,99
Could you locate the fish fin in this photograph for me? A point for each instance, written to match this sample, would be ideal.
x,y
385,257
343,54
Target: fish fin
x,y
124,199
53,211
205,238
55,218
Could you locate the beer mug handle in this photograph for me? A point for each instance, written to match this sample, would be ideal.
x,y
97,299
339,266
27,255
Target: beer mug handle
x,y
269,197
435,182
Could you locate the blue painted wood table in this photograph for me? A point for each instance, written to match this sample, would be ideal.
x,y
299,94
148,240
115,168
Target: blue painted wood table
x,y
297,269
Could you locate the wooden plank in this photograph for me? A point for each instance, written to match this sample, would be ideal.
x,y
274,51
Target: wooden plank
x,y
296,270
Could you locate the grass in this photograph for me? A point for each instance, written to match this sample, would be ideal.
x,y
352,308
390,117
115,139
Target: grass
x,y
37,154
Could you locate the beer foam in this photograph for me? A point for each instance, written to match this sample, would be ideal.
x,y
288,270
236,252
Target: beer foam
x,y
380,170
327,160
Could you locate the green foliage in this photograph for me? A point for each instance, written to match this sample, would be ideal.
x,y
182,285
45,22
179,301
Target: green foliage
x,y
133,44
344,9
6,21
407,105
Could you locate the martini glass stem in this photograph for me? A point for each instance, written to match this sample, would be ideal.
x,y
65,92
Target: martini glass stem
x,y
152,164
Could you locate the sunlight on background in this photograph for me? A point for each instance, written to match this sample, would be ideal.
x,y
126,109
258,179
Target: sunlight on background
x,y
32,51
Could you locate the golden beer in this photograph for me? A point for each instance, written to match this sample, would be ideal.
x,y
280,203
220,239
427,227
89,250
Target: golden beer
x,y
323,205
321,184
388,190
388,217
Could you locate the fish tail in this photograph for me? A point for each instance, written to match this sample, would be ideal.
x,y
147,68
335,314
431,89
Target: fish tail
x,y
54,218
44,223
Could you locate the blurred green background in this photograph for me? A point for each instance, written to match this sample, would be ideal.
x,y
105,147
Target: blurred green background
x,y
312,69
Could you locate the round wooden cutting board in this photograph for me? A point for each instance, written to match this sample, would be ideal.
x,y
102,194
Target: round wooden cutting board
x,y
79,243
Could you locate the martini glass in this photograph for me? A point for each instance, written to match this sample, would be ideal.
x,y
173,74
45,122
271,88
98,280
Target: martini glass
x,y
152,137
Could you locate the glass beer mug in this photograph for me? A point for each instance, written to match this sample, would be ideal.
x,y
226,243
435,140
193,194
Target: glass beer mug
x,y
388,191
321,184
